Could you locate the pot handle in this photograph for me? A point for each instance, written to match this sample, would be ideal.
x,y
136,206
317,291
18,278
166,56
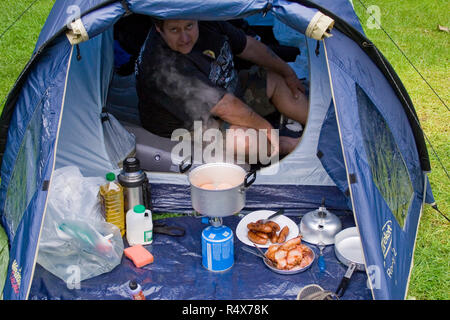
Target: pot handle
x,y
252,175
345,280
185,167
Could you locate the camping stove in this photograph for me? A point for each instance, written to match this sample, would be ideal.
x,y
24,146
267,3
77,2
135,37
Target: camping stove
x,y
217,191
217,245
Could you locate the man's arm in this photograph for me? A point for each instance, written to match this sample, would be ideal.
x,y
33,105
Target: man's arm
x,y
262,55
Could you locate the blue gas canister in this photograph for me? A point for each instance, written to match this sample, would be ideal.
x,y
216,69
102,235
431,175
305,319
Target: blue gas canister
x,y
217,248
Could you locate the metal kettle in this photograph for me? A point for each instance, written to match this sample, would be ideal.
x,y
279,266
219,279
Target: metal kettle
x,y
320,226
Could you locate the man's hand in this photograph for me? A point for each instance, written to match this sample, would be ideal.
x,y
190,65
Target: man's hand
x,y
294,83
262,55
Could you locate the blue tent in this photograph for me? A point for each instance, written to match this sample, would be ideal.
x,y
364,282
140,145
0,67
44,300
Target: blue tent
x,y
362,148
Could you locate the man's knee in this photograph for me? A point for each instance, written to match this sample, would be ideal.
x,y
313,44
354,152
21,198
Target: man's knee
x,y
243,143
248,145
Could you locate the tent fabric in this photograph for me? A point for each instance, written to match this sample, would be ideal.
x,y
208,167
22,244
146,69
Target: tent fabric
x,y
87,90
64,87
248,278
329,150
27,164
342,9
354,71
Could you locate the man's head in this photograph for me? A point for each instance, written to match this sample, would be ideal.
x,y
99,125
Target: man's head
x,y
180,35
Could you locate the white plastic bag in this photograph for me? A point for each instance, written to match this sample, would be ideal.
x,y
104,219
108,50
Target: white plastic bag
x,y
76,243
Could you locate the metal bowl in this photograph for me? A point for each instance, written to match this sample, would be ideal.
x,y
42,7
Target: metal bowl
x,y
267,262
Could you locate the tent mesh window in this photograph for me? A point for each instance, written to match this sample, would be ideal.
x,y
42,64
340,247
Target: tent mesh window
x,y
388,168
31,159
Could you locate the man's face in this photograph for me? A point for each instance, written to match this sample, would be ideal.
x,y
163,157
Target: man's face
x,y
180,35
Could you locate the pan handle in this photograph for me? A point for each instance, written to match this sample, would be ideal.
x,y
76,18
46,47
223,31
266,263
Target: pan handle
x,y
252,175
183,167
345,280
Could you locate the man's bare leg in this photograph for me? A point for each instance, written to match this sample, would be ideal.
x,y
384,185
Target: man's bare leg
x,y
294,108
248,145
281,96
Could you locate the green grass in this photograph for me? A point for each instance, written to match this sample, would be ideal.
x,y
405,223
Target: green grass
x,y
17,44
413,26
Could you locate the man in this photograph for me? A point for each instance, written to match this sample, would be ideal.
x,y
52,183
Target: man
x,y
186,73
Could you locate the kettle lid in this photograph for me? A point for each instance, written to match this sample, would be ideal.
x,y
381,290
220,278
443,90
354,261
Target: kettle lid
x,y
131,164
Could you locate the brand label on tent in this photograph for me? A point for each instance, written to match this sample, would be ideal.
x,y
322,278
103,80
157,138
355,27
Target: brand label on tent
x,y
16,276
386,240
386,247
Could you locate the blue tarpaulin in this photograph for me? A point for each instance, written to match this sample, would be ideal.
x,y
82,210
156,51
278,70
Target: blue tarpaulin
x,y
177,273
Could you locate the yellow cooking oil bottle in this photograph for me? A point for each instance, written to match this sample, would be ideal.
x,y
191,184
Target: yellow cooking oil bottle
x,y
111,198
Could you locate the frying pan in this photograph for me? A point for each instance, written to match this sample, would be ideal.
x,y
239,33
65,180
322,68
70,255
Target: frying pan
x,y
348,250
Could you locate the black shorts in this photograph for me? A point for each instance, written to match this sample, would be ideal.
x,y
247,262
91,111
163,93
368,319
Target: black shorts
x,y
254,90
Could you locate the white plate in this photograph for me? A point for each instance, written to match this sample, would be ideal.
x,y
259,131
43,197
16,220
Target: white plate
x,y
242,230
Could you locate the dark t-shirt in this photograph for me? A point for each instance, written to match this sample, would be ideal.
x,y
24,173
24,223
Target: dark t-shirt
x,y
177,89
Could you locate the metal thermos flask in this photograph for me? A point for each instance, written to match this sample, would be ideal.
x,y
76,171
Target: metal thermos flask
x,y
136,188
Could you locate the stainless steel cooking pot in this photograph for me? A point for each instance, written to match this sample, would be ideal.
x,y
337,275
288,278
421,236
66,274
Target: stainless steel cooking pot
x,y
218,189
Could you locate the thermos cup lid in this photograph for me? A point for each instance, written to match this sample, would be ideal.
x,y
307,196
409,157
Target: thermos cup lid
x,y
131,164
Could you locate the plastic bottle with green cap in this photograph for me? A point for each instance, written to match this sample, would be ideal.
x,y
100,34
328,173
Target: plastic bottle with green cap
x,y
111,198
139,226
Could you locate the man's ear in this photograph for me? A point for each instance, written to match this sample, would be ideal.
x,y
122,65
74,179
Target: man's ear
x,y
158,29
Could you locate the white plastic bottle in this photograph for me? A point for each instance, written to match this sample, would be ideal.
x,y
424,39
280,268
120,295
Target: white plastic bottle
x,y
139,226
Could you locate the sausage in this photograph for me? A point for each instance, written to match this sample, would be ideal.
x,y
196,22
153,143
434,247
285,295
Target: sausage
x,y
273,237
255,238
275,226
259,227
283,234
263,235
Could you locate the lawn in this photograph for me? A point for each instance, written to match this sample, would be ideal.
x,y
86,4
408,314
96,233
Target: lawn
x,y
413,25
